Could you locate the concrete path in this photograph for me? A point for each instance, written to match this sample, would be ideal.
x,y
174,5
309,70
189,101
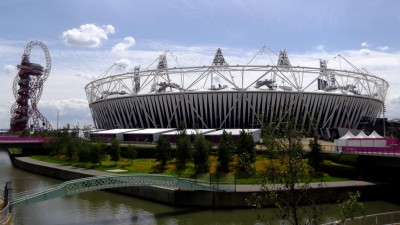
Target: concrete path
x,y
335,184
63,167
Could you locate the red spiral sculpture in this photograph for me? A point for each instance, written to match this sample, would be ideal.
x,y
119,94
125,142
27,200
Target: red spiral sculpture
x,y
27,89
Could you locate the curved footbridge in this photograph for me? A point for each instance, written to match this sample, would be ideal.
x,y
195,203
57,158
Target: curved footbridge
x,y
103,182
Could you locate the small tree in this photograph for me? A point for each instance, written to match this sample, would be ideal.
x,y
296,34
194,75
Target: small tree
x,y
183,148
95,155
288,185
61,144
246,150
201,154
315,156
131,153
163,151
101,149
350,206
115,150
183,154
25,133
226,147
84,154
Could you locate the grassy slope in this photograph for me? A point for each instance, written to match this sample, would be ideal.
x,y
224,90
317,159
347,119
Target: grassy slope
x,y
151,166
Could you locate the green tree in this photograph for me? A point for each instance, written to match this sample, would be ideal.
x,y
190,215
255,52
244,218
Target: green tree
x,y
246,150
94,154
201,153
315,156
183,147
115,150
288,186
131,153
101,150
163,151
350,207
25,133
226,147
83,151
63,143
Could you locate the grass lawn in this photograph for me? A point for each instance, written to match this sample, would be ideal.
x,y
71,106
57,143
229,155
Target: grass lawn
x,y
150,166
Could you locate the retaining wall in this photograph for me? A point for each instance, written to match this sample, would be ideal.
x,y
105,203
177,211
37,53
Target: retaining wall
x,y
189,198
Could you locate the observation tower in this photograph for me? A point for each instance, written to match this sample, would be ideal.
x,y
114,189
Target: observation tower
x,y
27,89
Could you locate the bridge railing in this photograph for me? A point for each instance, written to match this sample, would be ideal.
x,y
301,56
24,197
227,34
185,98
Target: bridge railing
x,y
373,219
216,185
4,213
5,210
23,139
371,150
103,182
23,194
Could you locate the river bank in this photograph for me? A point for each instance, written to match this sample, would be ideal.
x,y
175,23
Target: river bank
x,y
332,191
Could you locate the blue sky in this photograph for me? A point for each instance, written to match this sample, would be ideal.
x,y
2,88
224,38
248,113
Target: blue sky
x,y
87,37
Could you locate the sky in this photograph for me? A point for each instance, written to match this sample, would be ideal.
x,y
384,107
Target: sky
x,y
85,38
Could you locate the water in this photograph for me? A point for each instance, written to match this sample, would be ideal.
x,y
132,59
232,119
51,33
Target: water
x,y
101,207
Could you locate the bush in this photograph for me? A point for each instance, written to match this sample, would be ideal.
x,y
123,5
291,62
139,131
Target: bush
x,y
339,170
83,155
145,152
350,160
115,150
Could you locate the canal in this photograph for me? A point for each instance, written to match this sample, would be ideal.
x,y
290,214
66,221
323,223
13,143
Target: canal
x,y
102,207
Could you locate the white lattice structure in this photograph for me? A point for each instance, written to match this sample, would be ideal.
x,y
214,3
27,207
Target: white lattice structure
x,y
235,96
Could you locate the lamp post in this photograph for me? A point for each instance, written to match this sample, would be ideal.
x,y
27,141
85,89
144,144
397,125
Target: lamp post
x,y
384,129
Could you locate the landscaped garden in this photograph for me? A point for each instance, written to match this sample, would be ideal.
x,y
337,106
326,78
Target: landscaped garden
x,y
283,169
232,162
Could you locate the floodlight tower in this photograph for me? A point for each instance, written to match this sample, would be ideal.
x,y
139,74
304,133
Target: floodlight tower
x,y
28,88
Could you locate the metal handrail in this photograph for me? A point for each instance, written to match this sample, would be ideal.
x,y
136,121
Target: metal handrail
x,y
33,191
378,218
4,212
102,182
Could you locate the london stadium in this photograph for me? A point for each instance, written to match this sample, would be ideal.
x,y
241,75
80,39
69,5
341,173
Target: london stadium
x,y
236,96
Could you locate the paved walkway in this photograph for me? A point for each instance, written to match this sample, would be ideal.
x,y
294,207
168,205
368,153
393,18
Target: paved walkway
x,y
63,167
239,188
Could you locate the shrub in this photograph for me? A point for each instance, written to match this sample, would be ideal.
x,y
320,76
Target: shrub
x,y
350,160
339,170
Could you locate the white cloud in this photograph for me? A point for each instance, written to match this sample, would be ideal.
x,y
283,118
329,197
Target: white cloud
x,y
365,51
71,111
383,48
10,69
124,45
87,35
73,103
365,44
73,69
86,76
320,48
123,63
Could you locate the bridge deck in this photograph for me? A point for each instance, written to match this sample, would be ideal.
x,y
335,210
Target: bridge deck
x,y
21,142
103,182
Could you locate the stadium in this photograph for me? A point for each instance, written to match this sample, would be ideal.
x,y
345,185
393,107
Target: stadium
x,y
222,96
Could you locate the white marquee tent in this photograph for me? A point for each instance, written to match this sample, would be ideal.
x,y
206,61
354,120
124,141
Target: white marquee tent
x,y
361,140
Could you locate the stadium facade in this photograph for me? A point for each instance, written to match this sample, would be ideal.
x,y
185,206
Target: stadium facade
x,y
236,96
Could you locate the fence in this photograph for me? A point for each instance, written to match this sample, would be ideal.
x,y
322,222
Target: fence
x,y
371,150
5,211
23,139
373,219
